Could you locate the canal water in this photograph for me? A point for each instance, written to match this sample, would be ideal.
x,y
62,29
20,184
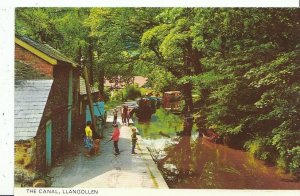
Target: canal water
x,y
195,163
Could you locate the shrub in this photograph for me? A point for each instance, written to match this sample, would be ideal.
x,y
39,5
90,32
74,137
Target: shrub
x,y
294,165
261,149
117,95
131,92
106,94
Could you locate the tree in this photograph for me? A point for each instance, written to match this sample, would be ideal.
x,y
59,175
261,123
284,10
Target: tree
x,y
252,76
118,32
171,42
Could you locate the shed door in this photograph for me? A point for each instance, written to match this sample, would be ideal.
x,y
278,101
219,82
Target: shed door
x,y
48,143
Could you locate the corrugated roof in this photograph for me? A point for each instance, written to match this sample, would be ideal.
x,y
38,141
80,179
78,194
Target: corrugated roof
x,y
83,88
45,48
30,100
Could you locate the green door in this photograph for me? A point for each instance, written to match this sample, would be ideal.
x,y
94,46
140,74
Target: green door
x,y
48,142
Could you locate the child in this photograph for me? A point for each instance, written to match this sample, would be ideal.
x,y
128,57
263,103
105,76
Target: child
x,y
88,140
115,113
133,139
115,137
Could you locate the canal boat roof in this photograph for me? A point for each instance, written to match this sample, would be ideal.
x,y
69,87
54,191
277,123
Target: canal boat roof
x,y
30,100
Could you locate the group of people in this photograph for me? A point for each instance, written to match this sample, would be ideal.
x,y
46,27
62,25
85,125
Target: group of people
x,y
126,114
93,146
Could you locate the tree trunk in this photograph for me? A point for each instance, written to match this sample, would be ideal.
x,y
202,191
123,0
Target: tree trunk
x,y
90,61
89,96
185,158
188,109
198,69
201,120
79,54
101,80
187,92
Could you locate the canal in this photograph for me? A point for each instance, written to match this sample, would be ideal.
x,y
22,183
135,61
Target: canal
x,y
195,163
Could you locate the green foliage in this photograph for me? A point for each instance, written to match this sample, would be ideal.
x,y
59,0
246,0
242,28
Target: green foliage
x,y
131,92
253,81
106,94
61,28
117,95
161,80
260,148
164,122
112,104
294,163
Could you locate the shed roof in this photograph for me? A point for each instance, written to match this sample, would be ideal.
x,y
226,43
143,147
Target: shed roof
x,y
30,100
46,49
83,88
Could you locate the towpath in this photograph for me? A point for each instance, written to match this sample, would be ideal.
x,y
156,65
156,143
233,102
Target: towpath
x,y
106,170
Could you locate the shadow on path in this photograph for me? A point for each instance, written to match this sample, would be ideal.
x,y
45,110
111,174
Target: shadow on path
x,y
104,169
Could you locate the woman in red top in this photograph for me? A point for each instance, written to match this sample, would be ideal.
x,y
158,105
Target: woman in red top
x,y
115,137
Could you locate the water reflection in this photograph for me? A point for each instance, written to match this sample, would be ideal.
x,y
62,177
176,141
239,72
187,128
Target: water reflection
x,y
202,164
192,162
162,124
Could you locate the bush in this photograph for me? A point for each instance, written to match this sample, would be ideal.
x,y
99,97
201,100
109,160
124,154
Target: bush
x,y
260,148
145,91
294,165
117,95
131,92
106,94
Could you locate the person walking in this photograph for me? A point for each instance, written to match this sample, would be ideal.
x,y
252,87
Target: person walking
x,y
133,140
88,139
115,137
124,114
115,113
128,115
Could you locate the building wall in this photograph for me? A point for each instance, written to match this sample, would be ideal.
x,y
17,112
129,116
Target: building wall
x,y
76,117
29,58
57,110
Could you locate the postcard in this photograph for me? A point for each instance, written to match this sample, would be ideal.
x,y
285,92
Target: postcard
x,y
154,100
